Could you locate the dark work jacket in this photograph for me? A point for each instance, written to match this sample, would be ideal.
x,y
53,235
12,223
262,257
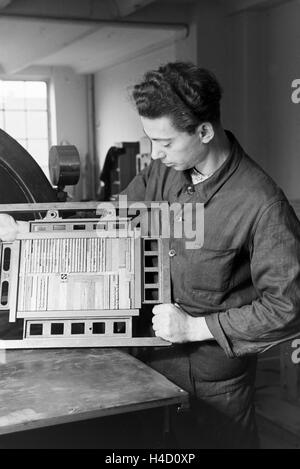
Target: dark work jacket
x,y
245,279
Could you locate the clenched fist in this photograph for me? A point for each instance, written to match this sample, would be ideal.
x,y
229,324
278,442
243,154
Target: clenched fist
x,y
9,228
171,323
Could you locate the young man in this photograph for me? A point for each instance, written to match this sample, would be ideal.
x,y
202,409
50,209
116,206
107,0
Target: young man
x,y
240,292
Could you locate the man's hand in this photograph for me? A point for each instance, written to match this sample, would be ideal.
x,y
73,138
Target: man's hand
x,y
9,228
171,323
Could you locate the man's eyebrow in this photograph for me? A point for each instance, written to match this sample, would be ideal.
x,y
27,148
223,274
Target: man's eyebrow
x,y
167,139
162,139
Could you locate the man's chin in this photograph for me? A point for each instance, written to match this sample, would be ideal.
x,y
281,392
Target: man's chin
x,y
179,167
176,166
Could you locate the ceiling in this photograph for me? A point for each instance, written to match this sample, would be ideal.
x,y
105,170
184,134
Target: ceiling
x,y
89,35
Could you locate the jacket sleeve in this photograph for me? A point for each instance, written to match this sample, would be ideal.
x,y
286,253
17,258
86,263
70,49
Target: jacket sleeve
x,y
275,269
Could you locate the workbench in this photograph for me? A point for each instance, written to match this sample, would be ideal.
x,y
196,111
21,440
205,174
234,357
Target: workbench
x,y
54,387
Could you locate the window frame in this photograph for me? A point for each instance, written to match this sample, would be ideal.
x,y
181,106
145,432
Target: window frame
x,y
49,133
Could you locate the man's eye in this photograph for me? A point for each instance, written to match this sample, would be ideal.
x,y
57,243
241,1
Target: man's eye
x,y
166,145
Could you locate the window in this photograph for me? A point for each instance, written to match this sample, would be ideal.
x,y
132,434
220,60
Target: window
x,y
24,116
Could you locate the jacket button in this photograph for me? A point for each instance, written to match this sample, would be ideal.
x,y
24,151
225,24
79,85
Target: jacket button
x,y
190,190
172,253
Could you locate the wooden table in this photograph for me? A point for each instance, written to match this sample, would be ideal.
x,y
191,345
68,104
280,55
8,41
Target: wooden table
x,y
42,388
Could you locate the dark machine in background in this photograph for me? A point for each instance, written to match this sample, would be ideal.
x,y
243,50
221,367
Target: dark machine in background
x,y
23,181
21,178
122,163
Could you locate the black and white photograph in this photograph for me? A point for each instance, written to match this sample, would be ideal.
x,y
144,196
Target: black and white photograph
x,y
149,227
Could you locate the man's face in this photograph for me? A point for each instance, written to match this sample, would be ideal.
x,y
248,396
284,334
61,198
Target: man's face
x,y
174,148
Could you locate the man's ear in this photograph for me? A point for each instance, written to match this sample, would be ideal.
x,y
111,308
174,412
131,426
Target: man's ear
x,y
206,132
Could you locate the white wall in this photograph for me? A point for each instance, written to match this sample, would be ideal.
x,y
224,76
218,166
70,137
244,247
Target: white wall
x,y
68,99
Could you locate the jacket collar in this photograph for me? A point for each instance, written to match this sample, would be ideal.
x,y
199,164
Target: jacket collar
x,y
206,189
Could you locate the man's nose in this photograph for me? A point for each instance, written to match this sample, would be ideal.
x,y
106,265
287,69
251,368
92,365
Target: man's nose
x,y
157,152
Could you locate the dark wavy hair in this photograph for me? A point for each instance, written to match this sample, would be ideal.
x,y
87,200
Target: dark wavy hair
x,y
189,95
